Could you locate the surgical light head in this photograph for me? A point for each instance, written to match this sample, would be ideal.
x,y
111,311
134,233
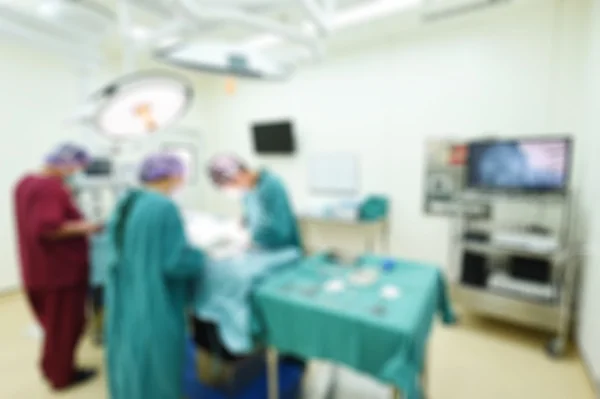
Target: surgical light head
x,y
225,59
137,105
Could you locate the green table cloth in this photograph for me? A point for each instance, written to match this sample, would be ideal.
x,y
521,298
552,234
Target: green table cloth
x,y
357,327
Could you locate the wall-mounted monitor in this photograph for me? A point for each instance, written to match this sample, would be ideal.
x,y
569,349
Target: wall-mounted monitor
x,y
99,167
536,165
274,138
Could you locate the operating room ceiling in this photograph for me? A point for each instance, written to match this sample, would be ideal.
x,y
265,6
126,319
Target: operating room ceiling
x,y
95,22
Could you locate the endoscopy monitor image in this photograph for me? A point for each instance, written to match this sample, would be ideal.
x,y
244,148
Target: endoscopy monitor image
x,y
532,165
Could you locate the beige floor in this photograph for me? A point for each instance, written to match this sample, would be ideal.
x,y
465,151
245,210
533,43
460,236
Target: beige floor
x,y
476,360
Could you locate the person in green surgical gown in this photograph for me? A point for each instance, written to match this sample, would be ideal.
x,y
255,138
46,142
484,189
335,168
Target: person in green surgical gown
x,y
268,213
148,287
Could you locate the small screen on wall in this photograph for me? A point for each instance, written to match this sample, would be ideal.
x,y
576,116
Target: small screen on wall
x,y
274,138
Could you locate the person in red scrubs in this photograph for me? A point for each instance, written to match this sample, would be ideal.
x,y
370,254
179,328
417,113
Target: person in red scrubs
x,y
53,246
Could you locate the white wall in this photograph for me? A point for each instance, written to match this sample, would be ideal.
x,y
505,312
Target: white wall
x,y
511,71
589,328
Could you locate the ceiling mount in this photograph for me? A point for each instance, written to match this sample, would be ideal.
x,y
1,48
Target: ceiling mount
x,y
232,60
201,12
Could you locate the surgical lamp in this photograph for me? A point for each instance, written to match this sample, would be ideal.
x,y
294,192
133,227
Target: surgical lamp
x,y
139,104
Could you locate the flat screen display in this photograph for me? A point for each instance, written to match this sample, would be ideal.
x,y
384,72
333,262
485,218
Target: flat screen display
x,y
535,165
99,167
274,138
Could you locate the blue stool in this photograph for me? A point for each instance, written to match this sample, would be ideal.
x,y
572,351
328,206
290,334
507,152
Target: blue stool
x,y
290,378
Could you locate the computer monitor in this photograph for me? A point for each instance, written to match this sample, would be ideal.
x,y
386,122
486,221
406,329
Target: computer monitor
x,y
99,167
529,165
274,138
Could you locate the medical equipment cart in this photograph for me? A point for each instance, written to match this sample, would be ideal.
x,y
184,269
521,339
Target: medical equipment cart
x,y
481,248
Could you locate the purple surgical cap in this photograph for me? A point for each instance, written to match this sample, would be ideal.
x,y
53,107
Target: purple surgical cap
x,y
161,166
223,168
68,154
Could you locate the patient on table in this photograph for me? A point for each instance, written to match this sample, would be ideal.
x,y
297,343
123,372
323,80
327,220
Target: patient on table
x,y
223,319
220,237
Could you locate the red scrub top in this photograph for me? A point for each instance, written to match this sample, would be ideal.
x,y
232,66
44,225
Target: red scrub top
x,y
42,205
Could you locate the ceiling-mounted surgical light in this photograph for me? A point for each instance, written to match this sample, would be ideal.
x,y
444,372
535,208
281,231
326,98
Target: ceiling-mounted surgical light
x,y
236,61
140,104
224,59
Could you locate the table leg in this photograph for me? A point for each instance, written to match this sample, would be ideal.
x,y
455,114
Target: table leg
x,y
372,243
333,383
424,380
386,239
425,374
273,373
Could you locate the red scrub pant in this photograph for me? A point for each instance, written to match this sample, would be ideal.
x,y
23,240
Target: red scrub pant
x,y
61,313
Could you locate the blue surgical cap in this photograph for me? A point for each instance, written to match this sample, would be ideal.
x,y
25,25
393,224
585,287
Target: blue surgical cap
x,y
68,154
223,168
161,166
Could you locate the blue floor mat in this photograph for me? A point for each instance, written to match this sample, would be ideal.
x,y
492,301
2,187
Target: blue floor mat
x,y
290,377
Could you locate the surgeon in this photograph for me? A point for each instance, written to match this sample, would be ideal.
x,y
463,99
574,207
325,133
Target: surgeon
x,y
148,287
267,210
53,245
268,213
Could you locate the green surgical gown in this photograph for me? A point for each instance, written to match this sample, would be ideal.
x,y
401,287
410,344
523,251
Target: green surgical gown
x,y
148,287
269,214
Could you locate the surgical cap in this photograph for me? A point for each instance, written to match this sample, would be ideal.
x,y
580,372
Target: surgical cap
x,y
68,154
161,166
223,168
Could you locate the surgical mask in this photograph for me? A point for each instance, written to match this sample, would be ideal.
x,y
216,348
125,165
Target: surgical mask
x,y
74,180
234,193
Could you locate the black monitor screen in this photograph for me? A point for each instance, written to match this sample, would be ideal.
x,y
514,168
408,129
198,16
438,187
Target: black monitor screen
x,y
99,167
274,138
524,165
